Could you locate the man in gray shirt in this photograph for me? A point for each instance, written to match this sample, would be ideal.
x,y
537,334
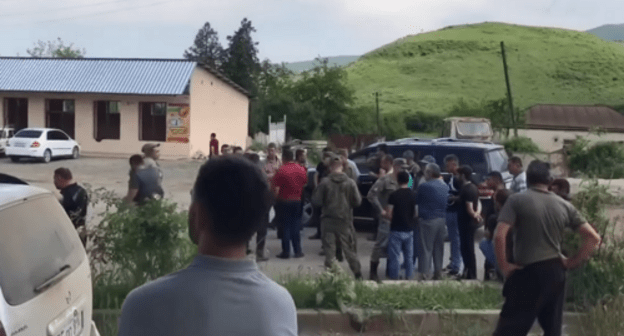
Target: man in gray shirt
x,y
221,292
535,284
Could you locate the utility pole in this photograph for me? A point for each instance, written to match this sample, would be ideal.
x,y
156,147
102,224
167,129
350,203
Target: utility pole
x,y
378,119
511,108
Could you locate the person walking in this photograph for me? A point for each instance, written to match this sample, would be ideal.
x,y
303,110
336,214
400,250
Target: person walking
x,y
75,200
322,170
378,196
432,199
144,182
469,214
214,146
451,163
519,182
535,283
151,155
301,156
338,195
222,292
261,234
288,184
401,212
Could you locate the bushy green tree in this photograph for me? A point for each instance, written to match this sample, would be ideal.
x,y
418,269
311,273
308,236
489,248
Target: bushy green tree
x,y
241,57
206,48
57,49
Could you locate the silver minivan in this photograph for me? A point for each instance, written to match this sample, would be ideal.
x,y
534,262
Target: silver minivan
x,y
45,278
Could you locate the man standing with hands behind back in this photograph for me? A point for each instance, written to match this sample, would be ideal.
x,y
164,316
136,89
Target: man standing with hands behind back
x,y
535,283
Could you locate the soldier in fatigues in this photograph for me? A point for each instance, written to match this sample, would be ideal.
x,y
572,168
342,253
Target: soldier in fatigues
x,y
378,197
338,195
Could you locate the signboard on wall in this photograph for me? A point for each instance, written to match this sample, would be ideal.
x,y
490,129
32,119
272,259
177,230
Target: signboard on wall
x,y
178,123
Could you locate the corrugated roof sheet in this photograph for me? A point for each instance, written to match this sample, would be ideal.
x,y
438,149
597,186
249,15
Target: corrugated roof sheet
x,y
96,75
574,117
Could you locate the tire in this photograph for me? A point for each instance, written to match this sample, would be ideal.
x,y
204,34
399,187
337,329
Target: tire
x,y
47,156
75,153
14,158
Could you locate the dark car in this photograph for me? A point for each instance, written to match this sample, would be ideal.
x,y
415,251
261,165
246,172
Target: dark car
x,y
482,157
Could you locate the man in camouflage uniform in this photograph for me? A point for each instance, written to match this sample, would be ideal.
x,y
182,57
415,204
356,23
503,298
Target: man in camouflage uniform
x,y
378,197
337,194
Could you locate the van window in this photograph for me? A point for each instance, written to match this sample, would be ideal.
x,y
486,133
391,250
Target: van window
x,y
360,158
498,160
37,239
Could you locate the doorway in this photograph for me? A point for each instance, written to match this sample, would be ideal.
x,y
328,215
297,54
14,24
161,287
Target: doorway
x,y
16,113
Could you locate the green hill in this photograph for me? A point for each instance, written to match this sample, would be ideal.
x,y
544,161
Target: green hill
x,y
429,72
609,32
331,61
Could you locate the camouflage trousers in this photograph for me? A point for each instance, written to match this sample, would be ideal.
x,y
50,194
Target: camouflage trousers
x,y
332,234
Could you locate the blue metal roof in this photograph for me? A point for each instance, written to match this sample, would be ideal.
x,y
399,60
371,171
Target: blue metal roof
x,y
96,75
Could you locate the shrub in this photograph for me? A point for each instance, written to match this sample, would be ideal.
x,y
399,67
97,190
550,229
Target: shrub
x,y
521,145
424,122
133,245
602,160
394,126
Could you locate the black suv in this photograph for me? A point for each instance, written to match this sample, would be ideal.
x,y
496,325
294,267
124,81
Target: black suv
x,y
482,157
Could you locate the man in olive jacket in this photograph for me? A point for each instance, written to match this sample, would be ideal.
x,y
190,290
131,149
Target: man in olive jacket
x,y
338,195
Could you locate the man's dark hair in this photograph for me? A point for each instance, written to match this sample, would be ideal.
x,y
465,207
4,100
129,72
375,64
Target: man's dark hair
x,y
63,173
538,172
433,169
299,152
214,135
516,160
326,150
563,185
253,157
451,157
235,196
502,195
465,171
272,145
387,158
403,178
383,148
225,146
136,160
497,175
287,154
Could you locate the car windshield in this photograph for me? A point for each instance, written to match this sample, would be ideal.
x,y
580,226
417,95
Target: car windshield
x,y
28,134
498,160
474,128
34,246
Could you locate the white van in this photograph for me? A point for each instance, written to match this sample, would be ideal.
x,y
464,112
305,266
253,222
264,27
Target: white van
x,y
45,278
5,135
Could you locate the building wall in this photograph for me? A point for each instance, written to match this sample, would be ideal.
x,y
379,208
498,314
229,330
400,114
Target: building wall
x,y
216,107
550,141
128,143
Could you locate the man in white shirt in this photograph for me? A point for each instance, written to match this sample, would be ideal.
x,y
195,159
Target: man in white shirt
x,y
519,183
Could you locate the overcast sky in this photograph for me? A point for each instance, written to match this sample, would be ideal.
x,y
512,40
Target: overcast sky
x,y
287,30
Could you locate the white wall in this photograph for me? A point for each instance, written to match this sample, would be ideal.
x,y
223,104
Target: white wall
x,y
550,141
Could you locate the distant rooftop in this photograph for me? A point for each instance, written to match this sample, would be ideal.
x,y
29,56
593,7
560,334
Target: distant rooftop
x,y
574,118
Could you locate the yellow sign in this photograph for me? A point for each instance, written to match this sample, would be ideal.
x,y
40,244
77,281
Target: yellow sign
x,y
178,123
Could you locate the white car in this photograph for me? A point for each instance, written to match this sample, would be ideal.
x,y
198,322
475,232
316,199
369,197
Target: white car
x,y
42,143
5,135
45,278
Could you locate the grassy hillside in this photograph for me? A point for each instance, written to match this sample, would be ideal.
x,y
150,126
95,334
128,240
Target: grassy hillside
x,y
307,65
609,32
430,72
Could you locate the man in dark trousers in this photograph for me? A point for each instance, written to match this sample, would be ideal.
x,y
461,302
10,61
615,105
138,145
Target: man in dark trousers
x,y
338,195
468,215
75,200
535,282
214,145
451,163
288,184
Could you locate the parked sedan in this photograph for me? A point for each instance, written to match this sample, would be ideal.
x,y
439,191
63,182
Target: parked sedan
x,y
41,143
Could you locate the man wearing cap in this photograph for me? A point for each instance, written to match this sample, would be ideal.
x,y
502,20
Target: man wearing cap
x,y
378,197
338,195
151,153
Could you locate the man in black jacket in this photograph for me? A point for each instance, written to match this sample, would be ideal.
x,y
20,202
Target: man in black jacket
x,y
75,200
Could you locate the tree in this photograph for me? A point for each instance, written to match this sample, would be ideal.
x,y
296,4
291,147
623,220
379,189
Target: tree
x,y
241,61
206,49
56,48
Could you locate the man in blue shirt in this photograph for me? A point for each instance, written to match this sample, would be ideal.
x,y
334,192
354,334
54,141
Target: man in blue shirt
x,y
221,292
432,198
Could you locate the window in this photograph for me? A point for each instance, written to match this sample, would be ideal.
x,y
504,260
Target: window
x,y
38,250
56,135
473,128
28,134
60,114
153,122
107,120
498,160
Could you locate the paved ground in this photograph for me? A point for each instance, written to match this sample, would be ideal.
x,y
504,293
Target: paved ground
x,y
112,174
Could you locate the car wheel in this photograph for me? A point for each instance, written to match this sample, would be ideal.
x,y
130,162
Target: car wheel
x,y
308,212
47,156
75,153
15,158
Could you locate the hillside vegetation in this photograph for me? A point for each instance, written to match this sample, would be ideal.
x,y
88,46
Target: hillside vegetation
x,y
430,72
331,61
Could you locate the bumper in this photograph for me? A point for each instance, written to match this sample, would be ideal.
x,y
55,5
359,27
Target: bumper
x,y
24,152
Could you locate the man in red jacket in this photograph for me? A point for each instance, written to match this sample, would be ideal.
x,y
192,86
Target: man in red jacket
x,y
288,184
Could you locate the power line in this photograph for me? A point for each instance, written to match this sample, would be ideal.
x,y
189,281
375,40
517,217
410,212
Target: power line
x,y
60,9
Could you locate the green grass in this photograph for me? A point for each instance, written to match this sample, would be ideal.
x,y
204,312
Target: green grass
x,y
430,72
